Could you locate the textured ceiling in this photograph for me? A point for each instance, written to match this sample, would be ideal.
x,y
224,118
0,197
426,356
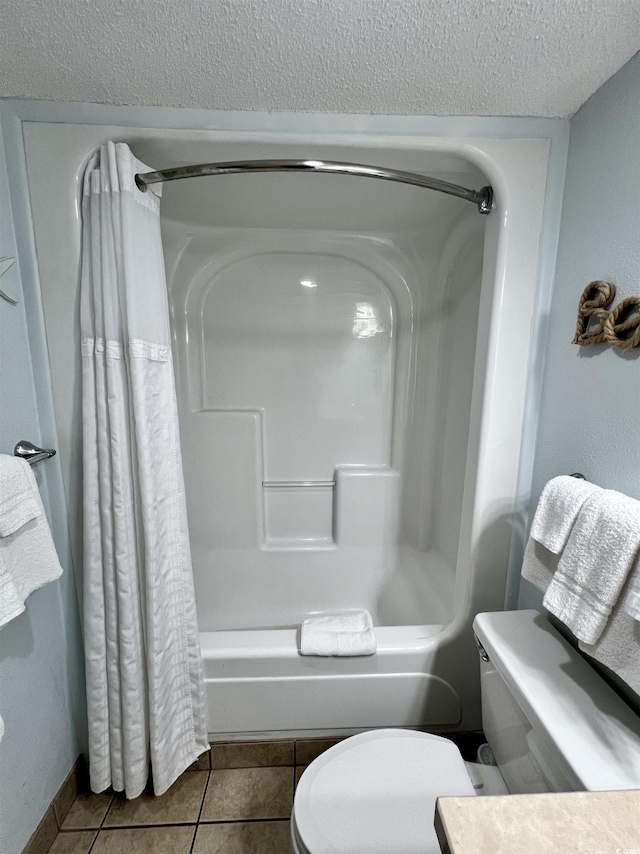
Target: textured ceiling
x,y
424,57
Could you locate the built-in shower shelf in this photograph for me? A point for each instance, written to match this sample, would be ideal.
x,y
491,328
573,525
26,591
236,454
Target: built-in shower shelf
x,y
300,544
298,515
296,484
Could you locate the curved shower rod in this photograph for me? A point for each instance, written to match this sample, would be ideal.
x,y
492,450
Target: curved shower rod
x,y
483,198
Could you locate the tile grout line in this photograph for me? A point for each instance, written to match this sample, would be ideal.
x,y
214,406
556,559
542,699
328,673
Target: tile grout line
x,y
195,832
236,821
204,795
178,824
152,824
95,838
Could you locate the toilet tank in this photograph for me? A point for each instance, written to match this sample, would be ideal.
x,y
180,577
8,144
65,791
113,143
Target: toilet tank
x,y
553,724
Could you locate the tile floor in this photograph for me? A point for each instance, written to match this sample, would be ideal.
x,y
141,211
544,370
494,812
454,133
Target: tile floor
x,y
235,800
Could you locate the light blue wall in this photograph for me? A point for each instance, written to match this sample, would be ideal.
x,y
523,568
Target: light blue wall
x,y
41,676
590,406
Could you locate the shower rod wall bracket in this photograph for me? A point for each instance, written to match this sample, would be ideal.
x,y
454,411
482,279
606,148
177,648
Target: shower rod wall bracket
x,y
483,198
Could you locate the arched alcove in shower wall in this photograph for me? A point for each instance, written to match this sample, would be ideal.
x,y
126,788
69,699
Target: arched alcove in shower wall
x,y
315,373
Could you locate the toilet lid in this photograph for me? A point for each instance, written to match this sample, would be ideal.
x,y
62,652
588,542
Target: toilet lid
x,y
376,792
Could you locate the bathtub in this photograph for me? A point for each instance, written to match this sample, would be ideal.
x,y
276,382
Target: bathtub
x,y
258,684
385,478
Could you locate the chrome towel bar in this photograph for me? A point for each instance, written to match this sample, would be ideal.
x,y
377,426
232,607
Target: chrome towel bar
x,y
32,453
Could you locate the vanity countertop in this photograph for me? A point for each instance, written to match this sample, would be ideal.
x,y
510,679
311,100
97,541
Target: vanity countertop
x,y
569,823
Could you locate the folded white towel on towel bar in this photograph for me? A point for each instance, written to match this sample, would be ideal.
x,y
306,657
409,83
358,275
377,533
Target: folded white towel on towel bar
x,y
539,564
630,598
28,557
338,634
18,502
601,550
618,645
557,510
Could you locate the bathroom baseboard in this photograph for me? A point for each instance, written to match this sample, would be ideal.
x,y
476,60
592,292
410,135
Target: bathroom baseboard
x,y
76,782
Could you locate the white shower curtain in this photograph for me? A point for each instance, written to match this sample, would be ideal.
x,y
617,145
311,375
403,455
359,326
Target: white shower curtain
x,y
145,687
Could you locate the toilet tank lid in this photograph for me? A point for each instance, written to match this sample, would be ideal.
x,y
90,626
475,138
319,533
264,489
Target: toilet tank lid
x,y
565,700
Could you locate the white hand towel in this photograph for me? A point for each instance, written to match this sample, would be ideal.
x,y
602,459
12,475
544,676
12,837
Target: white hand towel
x,y
557,510
11,603
539,564
338,634
630,599
618,646
28,557
19,501
602,548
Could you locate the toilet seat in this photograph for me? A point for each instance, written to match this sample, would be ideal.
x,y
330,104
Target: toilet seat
x,y
376,792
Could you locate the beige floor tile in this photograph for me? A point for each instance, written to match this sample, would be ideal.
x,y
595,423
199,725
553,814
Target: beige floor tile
x,y
201,763
87,811
73,842
252,754
300,769
179,805
145,840
251,837
235,794
309,749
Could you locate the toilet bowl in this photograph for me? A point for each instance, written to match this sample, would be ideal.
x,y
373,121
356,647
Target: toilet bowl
x,y
552,722
376,792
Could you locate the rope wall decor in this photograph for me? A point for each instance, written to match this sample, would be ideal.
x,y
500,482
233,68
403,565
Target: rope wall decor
x,y
595,300
622,327
619,327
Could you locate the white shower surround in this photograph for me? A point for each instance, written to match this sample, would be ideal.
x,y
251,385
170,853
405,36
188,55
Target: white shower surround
x,y
423,675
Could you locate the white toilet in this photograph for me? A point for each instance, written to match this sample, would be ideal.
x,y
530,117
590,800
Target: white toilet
x,y
553,725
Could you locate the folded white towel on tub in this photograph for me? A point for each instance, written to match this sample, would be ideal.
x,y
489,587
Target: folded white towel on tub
x,y
28,557
602,548
338,634
557,510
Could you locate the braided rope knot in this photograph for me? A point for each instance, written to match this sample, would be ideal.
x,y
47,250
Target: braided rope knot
x,y
595,300
624,319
